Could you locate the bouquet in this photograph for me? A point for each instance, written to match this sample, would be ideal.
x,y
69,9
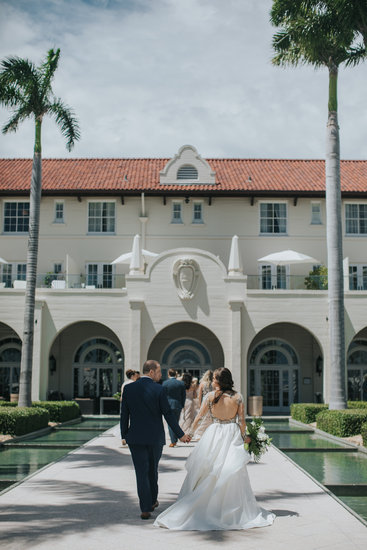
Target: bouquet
x,y
260,441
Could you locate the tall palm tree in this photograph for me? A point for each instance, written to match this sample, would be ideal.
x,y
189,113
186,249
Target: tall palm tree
x,y
27,91
325,33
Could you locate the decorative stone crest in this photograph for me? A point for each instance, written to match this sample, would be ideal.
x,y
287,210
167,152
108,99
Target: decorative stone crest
x,y
185,275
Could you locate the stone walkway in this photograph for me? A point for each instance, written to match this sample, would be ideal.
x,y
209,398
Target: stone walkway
x,y
88,500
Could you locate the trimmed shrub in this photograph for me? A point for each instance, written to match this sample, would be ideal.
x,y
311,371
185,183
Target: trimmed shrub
x,y
8,404
357,404
343,423
306,412
22,420
364,433
59,411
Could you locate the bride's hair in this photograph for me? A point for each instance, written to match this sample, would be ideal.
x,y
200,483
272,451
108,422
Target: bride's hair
x,y
224,379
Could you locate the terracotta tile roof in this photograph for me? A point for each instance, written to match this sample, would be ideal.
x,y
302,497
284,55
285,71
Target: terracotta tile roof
x,y
248,176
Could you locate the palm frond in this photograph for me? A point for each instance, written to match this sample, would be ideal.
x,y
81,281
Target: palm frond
x,y
12,124
18,72
10,96
47,71
67,122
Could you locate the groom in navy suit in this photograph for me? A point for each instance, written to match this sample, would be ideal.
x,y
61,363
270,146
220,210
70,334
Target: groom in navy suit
x,y
142,408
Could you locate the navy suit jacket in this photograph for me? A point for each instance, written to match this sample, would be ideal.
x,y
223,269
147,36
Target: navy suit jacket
x,y
142,408
176,392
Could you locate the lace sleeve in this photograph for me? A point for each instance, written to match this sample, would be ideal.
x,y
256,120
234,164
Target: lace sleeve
x,y
202,412
241,414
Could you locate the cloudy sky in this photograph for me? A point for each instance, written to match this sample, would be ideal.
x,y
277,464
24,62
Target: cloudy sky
x,y
147,76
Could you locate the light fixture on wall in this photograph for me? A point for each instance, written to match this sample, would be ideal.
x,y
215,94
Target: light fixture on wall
x,y
319,365
52,364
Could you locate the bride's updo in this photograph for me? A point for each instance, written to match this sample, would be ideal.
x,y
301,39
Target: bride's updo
x,y
223,377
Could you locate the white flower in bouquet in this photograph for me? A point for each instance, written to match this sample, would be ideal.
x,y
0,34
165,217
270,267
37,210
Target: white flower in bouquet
x,y
260,441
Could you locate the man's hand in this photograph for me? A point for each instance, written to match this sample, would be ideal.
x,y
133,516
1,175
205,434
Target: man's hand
x,y
185,438
247,439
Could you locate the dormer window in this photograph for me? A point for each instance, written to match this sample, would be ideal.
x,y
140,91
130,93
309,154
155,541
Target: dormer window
x,y
187,172
187,168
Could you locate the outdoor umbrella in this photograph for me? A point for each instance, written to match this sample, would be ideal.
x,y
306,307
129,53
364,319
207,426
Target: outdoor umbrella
x,y
287,257
126,258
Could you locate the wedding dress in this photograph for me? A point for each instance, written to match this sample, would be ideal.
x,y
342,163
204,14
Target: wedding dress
x,y
216,493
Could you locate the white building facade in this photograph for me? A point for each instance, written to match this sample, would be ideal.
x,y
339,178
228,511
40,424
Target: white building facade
x,y
191,292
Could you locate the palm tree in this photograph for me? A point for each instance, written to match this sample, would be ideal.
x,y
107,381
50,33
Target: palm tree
x,y
324,34
26,90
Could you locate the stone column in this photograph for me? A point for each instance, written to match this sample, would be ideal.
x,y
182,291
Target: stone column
x,y
136,307
239,379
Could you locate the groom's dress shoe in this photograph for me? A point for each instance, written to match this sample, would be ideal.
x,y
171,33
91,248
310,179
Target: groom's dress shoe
x,y
145,515
155,505
172,444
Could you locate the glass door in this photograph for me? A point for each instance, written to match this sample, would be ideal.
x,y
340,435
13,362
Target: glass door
x,y
278,386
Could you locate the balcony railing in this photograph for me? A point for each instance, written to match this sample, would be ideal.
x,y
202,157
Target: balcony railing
x,y
254,282
61,281
287,282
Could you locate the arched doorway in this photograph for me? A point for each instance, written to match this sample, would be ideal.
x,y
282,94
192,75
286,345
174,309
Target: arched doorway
x,y
97,369
10,355
274,374
187,347
357,370
86,360
285,366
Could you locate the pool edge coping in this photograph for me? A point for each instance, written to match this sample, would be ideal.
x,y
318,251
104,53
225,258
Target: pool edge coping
x,y
17,483
325,489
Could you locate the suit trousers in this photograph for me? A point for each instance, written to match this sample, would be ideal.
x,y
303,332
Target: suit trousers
x,y
146,459
172,434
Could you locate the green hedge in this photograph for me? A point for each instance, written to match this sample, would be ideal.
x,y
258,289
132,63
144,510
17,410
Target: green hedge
x,y
343,423
22,420
357,404
8,404
59,411
364,433
306,412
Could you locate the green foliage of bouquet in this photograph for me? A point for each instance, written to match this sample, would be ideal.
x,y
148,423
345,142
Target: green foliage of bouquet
x,y
260,441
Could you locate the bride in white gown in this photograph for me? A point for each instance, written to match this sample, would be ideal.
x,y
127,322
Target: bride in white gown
x,y
216,493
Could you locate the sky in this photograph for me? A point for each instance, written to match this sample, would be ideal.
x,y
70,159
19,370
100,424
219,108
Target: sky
x,y
145,77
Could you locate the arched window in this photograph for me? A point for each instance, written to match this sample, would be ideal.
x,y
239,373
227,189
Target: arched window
x,y
357,370
187,172
187,355
10,355
98,368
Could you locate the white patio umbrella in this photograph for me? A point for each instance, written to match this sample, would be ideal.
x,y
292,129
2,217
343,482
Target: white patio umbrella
x,y
126,258
287,257
2,261
133,257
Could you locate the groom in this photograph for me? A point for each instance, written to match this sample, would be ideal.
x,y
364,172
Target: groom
x,y
142,408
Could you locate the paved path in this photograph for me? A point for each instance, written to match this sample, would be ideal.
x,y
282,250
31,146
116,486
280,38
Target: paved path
x,y
88,501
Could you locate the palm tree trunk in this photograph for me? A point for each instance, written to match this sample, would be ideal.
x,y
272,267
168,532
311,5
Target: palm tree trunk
x,y
25,385
337,398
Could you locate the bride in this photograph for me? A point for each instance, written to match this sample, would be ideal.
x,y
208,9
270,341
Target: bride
x,y
216,493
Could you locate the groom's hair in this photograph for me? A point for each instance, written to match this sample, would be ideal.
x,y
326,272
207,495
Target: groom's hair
x,y
150,365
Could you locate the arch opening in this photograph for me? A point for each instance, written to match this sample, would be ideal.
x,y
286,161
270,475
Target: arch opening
x,y
86,362
285,367
187,347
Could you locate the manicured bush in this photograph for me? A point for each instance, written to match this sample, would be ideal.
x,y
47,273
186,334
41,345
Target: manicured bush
x,y
364,433
8,404
343,423
306,412
59,411
22,420
357,404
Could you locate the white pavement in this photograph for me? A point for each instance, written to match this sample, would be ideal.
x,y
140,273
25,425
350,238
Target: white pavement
x,y
88,500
